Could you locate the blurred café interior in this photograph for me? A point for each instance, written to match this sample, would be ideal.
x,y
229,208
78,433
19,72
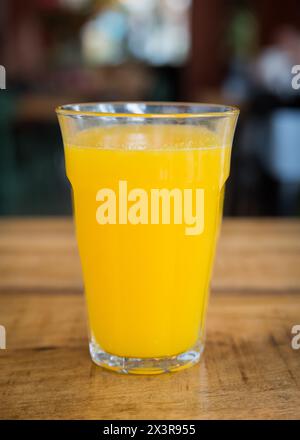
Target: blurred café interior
x,y
238,52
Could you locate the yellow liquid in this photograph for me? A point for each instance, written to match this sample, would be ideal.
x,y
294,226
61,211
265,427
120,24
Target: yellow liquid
x,y
146,284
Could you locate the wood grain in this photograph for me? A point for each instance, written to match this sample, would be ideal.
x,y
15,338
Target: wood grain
x,y
248,370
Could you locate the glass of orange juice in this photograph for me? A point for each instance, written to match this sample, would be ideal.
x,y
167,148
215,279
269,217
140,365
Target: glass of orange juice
x,y
148,185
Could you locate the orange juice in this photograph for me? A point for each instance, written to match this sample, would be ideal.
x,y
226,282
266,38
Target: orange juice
x,y
146,282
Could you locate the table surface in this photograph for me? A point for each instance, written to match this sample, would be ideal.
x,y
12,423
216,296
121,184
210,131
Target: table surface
x,y
248,370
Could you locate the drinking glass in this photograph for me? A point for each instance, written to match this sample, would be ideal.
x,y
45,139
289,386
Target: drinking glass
x,y
148,186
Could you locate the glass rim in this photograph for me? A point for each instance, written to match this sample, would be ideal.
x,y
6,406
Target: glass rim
x,y
212,110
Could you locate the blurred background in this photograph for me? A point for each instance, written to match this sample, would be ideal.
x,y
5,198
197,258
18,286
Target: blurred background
x,y
235,52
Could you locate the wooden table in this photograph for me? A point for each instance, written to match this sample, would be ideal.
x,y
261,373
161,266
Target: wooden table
x,y
249,368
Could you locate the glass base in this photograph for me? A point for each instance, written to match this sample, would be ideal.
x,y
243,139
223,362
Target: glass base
x,y
147,366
